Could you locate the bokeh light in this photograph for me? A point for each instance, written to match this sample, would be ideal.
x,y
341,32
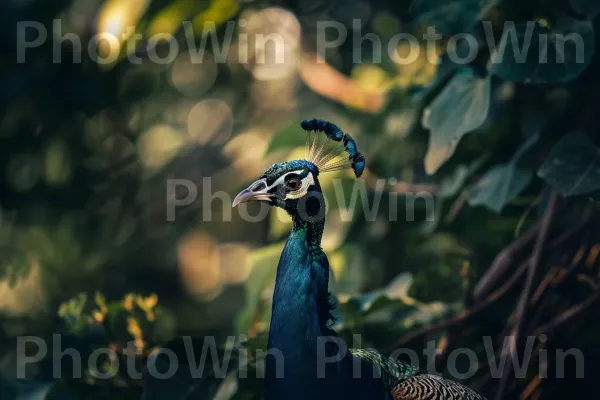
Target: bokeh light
x,y
234,263
210,121
118,19
200,272
246,151
159,144
193,78
273,38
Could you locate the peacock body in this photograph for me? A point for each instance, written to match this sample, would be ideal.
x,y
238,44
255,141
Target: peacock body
x,y
305,358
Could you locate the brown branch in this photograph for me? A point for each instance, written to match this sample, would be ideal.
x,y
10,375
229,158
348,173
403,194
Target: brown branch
x,y
531,388
503,261
527,289
567,315
560,275
455,209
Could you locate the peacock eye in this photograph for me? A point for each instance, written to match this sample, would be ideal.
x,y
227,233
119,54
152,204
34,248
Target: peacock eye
x,y
293,184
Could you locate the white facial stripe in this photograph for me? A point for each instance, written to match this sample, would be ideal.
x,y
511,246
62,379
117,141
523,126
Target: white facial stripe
x,y
306,183
302,190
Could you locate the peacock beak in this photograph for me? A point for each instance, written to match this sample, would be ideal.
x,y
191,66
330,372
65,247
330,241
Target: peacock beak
x,y
257,191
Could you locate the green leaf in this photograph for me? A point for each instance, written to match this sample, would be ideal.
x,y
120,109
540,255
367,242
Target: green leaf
x,y
504,182
531,53
499,186
263,270
390,308
589,8
396,290
57,168
573,165
460,108
451,185
288,138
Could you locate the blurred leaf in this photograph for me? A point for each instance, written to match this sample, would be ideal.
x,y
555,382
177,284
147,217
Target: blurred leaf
x,y
440,245
219,12
263,270
289,137
452,184
390,307
460,108
72,313
119,19
541,55
325,80
397,289
23,172
57,167
168,20
502,183
573,165
39,241
371,77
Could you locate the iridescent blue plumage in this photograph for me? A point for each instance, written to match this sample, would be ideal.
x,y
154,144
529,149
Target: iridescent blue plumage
x,y
302,348
332,131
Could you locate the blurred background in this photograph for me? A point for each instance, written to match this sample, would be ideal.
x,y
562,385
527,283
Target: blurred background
x,y
503,158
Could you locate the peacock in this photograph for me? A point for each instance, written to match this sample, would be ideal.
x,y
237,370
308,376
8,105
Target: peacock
x,y
305,358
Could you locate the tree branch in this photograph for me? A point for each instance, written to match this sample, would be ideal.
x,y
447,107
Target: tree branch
x,y
528,288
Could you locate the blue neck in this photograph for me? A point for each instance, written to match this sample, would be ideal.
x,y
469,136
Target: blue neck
x,y
300,312
298,350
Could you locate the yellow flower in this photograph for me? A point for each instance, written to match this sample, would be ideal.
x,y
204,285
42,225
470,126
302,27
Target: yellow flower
x,y
101,302
133,327
150,316
128,302
152,300
98,316
139,343
147,304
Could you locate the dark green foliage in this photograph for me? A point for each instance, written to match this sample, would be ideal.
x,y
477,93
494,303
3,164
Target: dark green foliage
x,y
573,165
533,53
504,182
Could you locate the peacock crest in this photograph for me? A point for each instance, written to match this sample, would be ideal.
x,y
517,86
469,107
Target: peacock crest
x,y
327,161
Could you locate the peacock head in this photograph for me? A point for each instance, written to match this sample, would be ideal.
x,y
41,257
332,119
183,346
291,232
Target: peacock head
x,y
294,185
